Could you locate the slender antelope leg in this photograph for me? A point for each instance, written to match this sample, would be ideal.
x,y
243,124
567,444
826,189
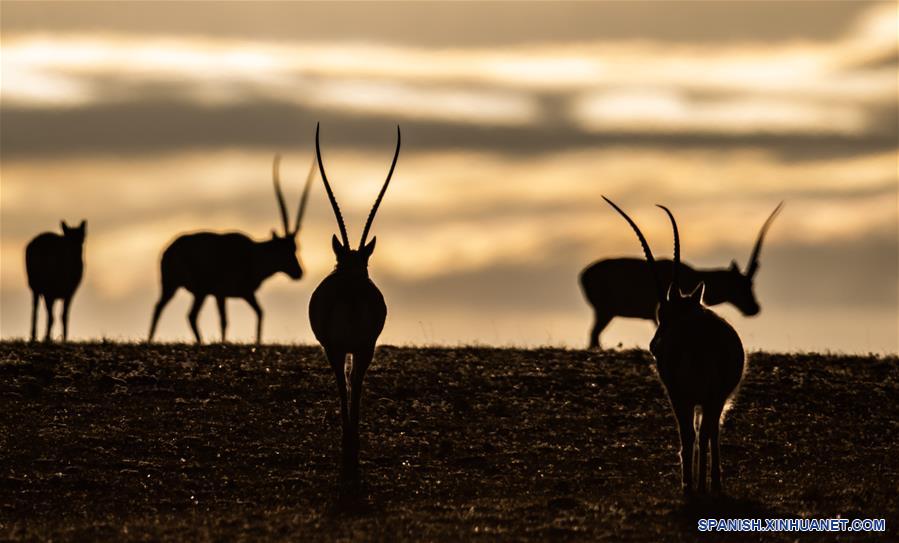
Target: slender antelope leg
x,y
223,315
66,302
337,360
695,460
361,360
714,418
164,298
704,436
251,299
687,438
601,320
48,305
35,298
194,312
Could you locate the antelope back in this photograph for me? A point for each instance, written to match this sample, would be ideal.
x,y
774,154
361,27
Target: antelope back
x,y
347,312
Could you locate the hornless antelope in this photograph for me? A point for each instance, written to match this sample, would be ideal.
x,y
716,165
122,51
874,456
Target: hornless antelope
x,y
230,265
699,358
347,313
621,287
55,265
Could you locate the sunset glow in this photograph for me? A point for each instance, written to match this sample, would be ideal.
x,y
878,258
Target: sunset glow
x,y
507,152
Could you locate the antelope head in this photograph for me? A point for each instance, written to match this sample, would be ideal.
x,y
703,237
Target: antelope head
x,y
282,249
737,287
673,304
676,304
74,234
349,260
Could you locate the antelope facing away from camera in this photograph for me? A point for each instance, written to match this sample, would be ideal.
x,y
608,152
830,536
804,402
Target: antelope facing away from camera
x,y
55,265
230,265
622,287
347,313
700,358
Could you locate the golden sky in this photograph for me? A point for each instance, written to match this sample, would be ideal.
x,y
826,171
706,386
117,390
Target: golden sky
x,y
151,119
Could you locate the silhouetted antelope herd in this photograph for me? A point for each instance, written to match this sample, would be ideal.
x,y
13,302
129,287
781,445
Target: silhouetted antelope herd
x,y
699,356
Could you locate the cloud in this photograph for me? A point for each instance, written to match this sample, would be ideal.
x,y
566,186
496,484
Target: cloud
x,y
630,86
157,125
447,211
669,112
444,25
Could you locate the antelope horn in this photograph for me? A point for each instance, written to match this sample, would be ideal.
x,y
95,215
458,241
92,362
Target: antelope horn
x,y
278,194
334,206
646,250
675,271
754,259
374,209
305,197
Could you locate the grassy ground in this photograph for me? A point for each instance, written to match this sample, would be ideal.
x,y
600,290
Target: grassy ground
x,y
133,442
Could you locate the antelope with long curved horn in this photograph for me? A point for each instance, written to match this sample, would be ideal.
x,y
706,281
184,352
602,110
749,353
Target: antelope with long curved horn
x,y
347,313
699,358
618,287
231,265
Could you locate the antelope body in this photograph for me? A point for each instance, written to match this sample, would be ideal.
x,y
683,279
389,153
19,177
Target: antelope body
x,y
54,265
229,265
347,313
700,360
622,287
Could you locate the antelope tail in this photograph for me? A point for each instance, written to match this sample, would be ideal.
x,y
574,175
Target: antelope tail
x,y
348,374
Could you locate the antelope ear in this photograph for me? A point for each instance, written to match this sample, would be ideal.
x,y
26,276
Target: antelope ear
x,y
65,227
370,247
336,246
734,267
83,225
696,295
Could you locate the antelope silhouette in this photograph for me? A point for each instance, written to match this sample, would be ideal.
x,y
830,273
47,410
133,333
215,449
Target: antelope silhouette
x,y
230,265
622,287
54,265
347,313
699,358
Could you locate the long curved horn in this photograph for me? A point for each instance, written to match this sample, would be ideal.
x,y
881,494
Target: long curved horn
x,y
278,194
304,198
753,265
660,293
374,209
321,169
675,271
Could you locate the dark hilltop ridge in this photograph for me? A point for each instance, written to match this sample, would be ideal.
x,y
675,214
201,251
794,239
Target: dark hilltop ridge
x,y
177,442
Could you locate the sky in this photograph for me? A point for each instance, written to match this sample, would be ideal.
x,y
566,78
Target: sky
x,y
152,119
